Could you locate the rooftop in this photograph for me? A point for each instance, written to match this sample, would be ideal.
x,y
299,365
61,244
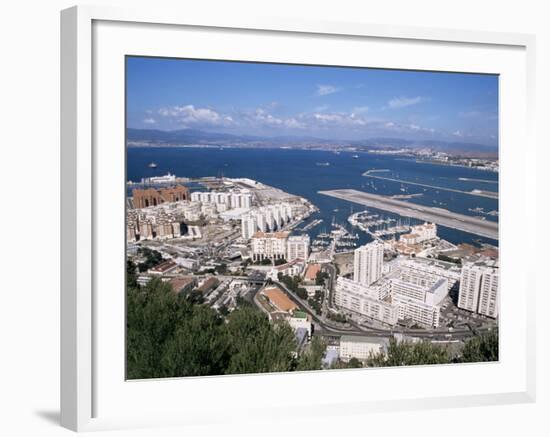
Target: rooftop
x,y
311,272
164,266
278,298
181,282
208,283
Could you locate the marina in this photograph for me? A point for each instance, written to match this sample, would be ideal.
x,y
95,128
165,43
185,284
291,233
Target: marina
x,y
440,216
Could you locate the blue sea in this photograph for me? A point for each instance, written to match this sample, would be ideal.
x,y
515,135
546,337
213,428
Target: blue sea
x,y
297,172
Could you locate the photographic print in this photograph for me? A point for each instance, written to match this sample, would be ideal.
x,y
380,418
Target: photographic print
x,y
285,217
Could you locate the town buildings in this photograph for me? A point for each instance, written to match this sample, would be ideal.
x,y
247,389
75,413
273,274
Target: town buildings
x,y
292,268
144,198
364,300
298,247
269,245
368,263
224,199
420,233
361,347
479,289
278,245
404,290
269,218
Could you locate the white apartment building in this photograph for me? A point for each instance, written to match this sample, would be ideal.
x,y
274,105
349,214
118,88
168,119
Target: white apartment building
x,y
404,295
232,199
248,226
430,267
298,247
418,296
261,222
428,289
269,218
420,233
479,289
269,245
365,300
361,347
368,260
423,312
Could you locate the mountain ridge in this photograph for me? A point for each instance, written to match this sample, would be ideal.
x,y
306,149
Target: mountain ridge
x,y
140,137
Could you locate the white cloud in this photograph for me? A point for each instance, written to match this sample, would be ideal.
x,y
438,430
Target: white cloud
x,y
457,133
262,118
335,119
402,102
149,120
189,115
325,90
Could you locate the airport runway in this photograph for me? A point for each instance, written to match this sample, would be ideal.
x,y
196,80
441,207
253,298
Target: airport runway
x,y
440,216
481,193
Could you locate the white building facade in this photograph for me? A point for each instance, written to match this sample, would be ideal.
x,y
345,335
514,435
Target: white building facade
x,y
362,299
479,289
360,347
368,259
298,247
271,245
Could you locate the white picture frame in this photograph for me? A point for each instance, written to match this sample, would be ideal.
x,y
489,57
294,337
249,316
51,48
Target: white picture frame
x,y
83,379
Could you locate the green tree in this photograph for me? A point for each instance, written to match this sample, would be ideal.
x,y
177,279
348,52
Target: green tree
x,y
311,358
280,261
257,346
481,348
407,353
221,269
320,278
195,296
151,315
198,346
131,275
354,363
301,292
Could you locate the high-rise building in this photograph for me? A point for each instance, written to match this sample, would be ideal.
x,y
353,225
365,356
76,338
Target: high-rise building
x,y
479,289
248,226
298,247
368,260
488,296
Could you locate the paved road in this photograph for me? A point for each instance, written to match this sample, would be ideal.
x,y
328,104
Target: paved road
x,y
484,228
324,327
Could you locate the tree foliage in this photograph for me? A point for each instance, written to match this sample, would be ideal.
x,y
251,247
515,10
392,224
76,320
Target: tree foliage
x,y
320,277
481,348
152,258
405,353
312,358
170,336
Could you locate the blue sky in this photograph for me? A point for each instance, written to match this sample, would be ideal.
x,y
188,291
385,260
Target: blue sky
x,y
325,102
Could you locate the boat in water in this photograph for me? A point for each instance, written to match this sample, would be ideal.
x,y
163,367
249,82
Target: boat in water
x,y
355,156
152,165
323,164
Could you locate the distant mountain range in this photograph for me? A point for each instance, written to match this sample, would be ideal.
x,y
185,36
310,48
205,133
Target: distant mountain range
x,y
155,137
